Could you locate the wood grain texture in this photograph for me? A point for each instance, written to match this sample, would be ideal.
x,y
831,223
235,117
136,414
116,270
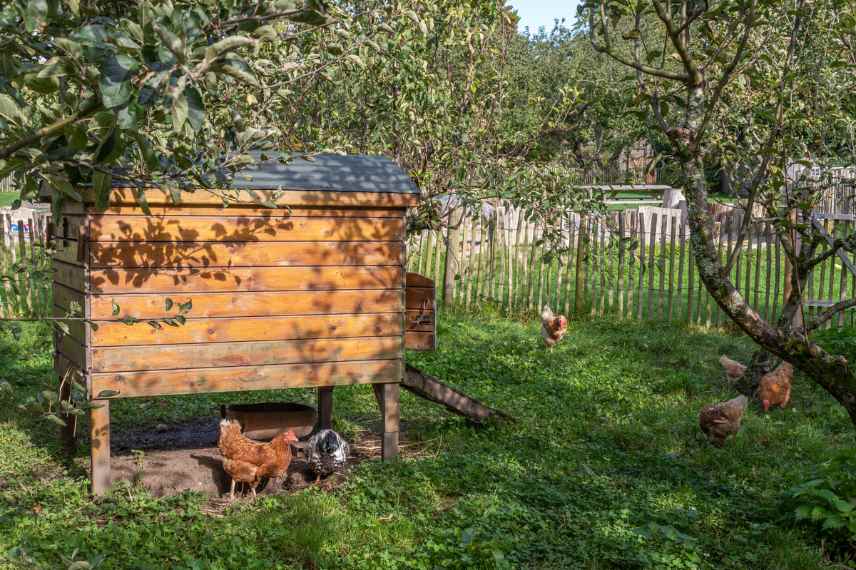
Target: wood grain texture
x,y
71,276
419,340
308,198
245,210
73,350
104,227
179,281
241,378
64,298
417,280
418,297
66,251
99,436
119,359
249,329
251,304
242,254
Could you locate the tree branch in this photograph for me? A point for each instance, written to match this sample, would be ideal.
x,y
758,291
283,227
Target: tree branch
x,y
89,108
829,313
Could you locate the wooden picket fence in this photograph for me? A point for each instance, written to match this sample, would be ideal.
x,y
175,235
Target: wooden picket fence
x,y
632,264
25,267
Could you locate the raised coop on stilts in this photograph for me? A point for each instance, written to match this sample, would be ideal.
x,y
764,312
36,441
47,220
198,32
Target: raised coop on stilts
x,y
299,282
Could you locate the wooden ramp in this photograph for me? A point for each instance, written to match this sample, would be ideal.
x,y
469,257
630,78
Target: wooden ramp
x,y
430,388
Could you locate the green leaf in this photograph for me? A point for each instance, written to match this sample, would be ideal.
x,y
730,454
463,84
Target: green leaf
x,y
102,182
155,325
115,83
76,137
226,45
167,304
116,309
195,108
416,20
267,33
111,148
49,396
186,307
63,186
107,393
356,59
10,110
73,6
239,70
55,419
179,112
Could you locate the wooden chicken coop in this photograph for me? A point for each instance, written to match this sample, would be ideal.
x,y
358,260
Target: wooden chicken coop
x,y
307,290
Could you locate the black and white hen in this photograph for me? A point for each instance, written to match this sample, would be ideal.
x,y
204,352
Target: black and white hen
x,y
327,453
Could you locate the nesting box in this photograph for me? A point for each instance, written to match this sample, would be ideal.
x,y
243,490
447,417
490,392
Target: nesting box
x,y
298,282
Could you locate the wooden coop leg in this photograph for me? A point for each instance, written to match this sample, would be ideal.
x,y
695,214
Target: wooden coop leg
x,y
387,397
99,431
325,408
67,433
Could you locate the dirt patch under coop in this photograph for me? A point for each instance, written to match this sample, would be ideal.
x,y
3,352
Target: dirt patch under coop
x,y
168,459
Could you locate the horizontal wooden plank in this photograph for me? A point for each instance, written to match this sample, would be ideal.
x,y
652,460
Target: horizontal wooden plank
x,y
419,340
73,350
419,297
179,281
243,254
66,251
249,328
63,366
136,358
242,378
72,276
157,196
420,321
103,227
63,297
242,210
251,304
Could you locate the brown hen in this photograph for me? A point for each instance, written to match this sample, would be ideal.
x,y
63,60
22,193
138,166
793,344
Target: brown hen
x,y
733,369
718,421
553,327
247,461
774,388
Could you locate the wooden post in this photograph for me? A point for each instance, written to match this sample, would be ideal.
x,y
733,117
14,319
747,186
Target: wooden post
x,y
67,432
99,433
582,247
325,407
453,239
387,397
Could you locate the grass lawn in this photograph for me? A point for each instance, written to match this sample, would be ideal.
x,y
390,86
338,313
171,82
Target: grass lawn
x,y
605,468
6,198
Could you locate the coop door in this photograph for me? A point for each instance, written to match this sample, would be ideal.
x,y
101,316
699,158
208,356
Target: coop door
x,y
420,330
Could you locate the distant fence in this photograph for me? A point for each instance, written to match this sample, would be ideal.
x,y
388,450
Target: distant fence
x,y
25,268
631,264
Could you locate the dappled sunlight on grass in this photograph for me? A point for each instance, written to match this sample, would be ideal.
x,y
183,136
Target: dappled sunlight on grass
x,y
604,468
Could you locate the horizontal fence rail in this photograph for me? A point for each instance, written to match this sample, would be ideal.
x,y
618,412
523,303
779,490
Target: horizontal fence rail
x,y
632,264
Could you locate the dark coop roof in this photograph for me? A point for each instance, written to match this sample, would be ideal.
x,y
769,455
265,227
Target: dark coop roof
x,y
328,172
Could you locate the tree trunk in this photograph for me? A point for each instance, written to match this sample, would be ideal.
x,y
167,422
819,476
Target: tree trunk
x,y
831,372
453,247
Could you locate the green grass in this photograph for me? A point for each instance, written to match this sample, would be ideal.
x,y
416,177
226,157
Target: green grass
x,y
605,468
6,198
